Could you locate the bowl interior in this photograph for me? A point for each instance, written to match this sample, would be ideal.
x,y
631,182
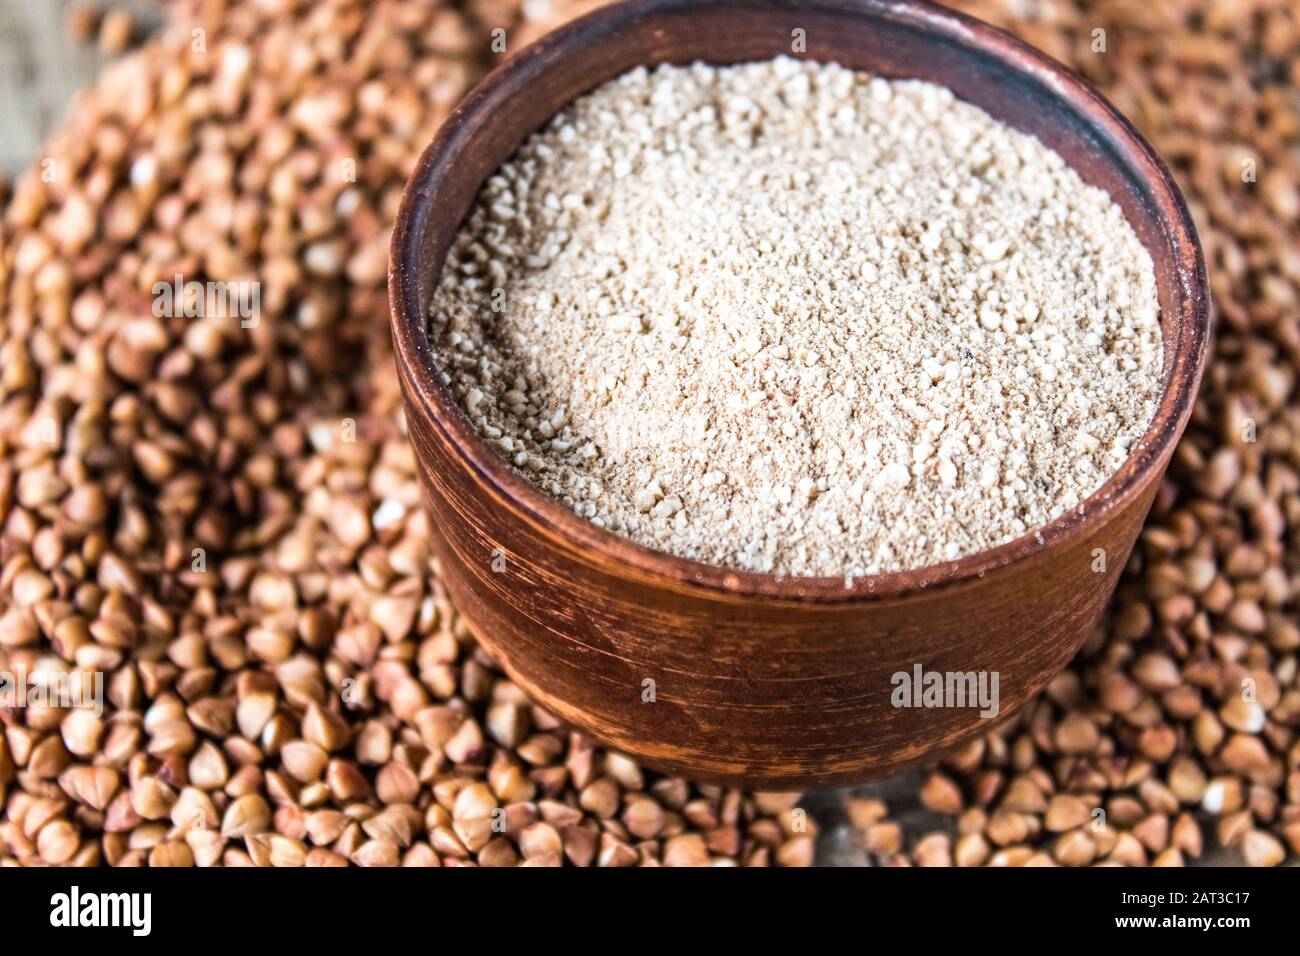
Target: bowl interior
x,y
915,40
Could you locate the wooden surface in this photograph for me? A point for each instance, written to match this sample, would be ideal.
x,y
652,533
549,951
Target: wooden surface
x,y
41,68
758,680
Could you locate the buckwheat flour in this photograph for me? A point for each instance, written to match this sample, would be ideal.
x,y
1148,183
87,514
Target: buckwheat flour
x,y
788,317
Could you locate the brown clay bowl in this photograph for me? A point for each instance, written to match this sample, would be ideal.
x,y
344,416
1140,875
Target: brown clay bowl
x,y
759,680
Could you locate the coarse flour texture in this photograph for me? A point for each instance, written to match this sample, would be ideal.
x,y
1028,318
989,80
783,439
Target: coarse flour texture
x,y
788,317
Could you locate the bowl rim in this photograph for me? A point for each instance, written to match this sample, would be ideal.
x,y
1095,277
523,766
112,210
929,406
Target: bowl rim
x,y
1180,379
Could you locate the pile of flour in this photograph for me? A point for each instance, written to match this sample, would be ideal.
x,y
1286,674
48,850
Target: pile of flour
x,y
792,318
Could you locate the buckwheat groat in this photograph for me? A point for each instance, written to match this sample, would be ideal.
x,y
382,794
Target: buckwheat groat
x,y
787,317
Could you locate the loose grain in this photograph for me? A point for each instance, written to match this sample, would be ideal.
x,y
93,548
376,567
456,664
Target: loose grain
x,y
787,317
1227,514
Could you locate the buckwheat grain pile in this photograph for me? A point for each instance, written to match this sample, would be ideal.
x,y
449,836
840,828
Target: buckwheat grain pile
x,y
221,684
787,317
